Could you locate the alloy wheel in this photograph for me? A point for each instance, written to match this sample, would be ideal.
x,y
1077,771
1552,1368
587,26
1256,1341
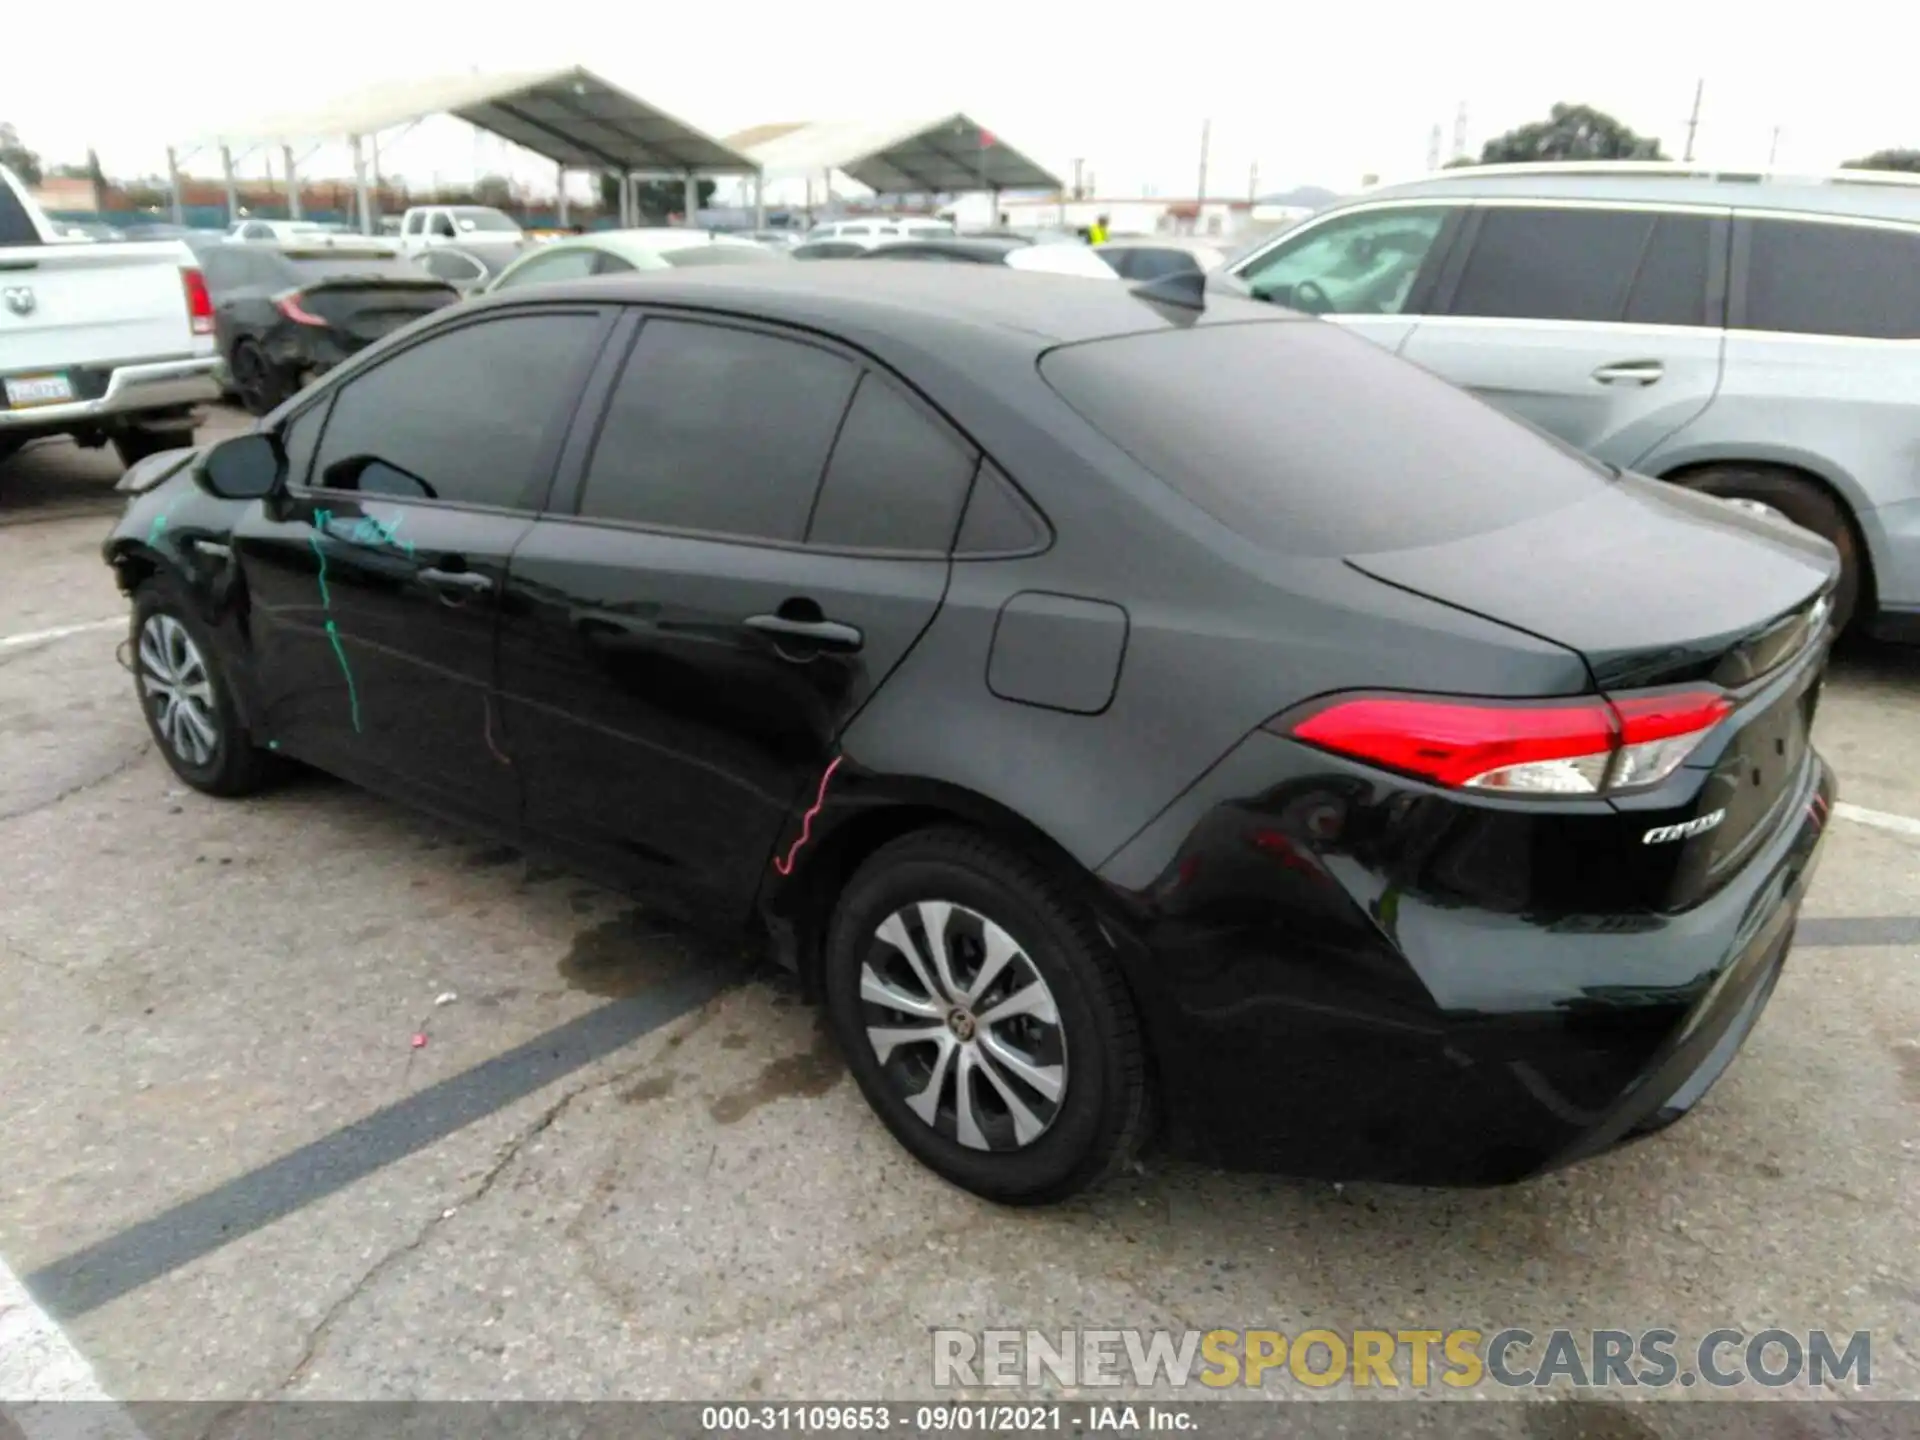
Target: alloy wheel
x,y
964,1026
1757,507
177,688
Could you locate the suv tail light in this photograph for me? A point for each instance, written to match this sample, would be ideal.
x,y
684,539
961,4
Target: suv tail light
x,y
199,302
288,304
1589,746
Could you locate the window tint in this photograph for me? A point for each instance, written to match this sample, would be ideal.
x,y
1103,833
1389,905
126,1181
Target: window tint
x,y
611,264
1275,430
1546,264
1363,264
451,265
468,412
298,437
442,226
998,521
716,429
1671,288
1807,278
16,226
897,479
575,264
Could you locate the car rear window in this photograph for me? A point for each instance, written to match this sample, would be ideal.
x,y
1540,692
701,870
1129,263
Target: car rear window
x,y
325,267
1309,441
16,226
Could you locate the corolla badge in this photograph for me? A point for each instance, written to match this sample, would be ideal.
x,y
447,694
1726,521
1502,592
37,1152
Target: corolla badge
x,y
19,299
1687,829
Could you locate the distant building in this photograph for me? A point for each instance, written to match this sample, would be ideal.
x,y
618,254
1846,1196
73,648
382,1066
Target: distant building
x,y
61,194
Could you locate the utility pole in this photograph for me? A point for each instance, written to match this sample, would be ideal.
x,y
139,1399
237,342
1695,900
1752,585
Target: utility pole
x,y
1433,147
1773,150
1253,181
1079,172
1206,138
1693,120
1460,132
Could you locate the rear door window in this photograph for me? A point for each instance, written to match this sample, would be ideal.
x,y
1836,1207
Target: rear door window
x,y
1275,430
1585,264
718,430
897,478
1806,277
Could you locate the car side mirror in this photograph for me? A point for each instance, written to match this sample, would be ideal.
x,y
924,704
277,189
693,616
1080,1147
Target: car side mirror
x,y
246,467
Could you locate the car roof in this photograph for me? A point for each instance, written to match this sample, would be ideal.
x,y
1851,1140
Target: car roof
x,y
909,303
1859,194
972,246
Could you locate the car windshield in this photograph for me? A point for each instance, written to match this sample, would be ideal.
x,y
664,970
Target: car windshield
x,y
1307,440
491,222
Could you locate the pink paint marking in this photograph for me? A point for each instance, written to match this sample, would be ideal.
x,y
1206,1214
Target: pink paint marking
x,y
785,867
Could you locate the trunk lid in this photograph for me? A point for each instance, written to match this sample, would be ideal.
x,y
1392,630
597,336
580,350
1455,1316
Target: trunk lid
x,y
1650,583
90,304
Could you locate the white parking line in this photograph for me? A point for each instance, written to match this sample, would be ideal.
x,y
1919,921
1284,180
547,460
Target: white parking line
x,y
1879,819
59,632
40,1372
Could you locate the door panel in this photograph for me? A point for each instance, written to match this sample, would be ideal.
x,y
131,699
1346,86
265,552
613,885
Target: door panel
x,y
374,630
1615,391
663,714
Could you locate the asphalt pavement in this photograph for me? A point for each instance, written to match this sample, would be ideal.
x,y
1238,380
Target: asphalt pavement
x,y
308,1096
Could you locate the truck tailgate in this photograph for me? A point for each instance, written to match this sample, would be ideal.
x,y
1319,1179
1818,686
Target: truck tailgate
x,y
94,304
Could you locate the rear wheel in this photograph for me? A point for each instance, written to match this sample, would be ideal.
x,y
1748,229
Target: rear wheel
x,y
260,384
985,1019
187,698
1807,504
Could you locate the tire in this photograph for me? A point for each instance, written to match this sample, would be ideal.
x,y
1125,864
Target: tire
x,y
10,446
1810,506
1090,1050
260,384
137,442
174,658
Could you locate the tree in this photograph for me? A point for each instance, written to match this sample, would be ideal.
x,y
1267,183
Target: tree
x,y
17,158
1908,160
1570,132
657,199
1458,161
494,190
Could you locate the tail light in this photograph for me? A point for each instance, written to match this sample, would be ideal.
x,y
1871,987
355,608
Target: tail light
x,y
289,305
1595,746
199,302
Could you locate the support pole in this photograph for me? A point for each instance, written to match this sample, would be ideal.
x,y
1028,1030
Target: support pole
x,y
174,187
626,200
1693,120
362,194
760,199
233,189
690,199
560,179
293,183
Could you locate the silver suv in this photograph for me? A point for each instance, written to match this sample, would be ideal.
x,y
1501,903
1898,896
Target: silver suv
x,y
1748,335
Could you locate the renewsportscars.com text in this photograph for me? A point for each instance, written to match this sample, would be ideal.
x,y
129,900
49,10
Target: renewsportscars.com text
x,y
1512,1358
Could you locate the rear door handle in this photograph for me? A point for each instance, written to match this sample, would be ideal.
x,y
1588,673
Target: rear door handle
x,y
456,580
1630,372
821,634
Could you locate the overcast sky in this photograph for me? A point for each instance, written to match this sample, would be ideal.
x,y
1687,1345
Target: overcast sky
x,y
1320,95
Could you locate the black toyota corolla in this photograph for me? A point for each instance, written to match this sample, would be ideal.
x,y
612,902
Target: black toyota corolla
x,y
1123,708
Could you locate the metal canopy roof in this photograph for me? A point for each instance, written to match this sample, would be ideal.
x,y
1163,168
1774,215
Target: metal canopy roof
x,y
572,117
946,155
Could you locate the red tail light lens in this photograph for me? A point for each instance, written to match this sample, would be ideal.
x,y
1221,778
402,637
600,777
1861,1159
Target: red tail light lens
x,y
1557,747
289,305
199,302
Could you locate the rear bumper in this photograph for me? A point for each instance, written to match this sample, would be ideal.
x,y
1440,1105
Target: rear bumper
x,y
130,390
1297,1030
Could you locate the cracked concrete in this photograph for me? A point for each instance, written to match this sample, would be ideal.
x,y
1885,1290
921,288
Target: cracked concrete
x,y
196,990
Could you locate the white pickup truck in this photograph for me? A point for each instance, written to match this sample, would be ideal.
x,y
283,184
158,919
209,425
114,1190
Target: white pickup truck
x,y
425,226
100,341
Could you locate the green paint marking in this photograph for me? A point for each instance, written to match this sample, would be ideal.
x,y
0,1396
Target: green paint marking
x,y
340,654
273,744
153,535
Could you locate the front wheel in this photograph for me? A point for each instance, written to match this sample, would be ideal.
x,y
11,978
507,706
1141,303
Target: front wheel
x,y
187,699
985,1019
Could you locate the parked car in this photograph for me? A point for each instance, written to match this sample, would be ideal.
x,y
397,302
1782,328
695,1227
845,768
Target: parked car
x,y
286,313
100,341
284,230
870,230
1099,703
828,250
90,230
1017,253
425,226
612,252
1151,257
1743,335
470,268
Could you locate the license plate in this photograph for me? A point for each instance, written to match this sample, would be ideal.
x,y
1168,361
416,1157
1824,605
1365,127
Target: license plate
x,y
28,390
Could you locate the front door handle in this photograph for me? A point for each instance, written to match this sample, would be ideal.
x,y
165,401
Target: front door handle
x,y
819,634
456,580
1630,372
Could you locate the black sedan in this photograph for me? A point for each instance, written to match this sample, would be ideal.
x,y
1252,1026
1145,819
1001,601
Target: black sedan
x,y
1114,709
286,312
